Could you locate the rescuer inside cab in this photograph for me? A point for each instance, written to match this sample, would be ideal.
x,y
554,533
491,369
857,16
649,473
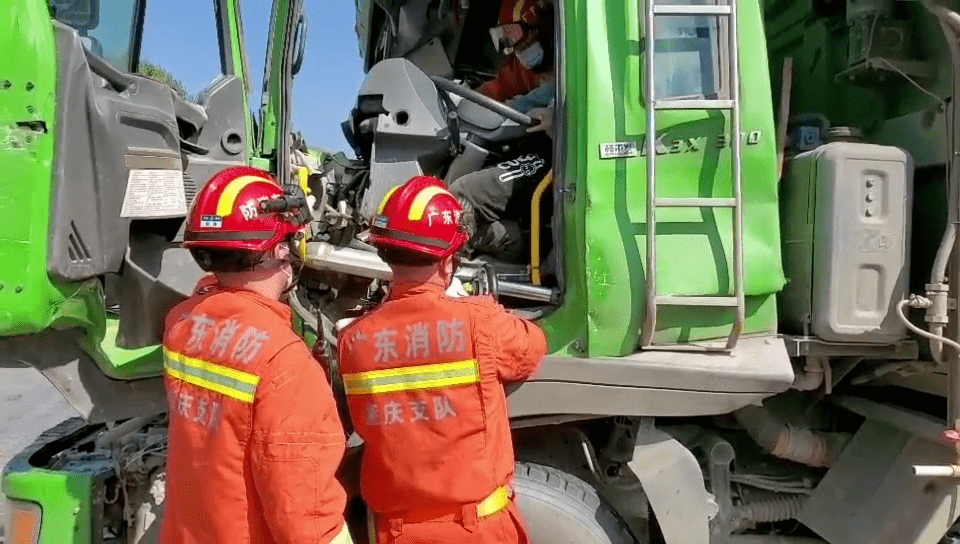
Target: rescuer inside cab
x,y
525,81
423,377
254,436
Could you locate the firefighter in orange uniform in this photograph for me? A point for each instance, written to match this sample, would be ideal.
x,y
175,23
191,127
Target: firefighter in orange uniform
x,y
254,438
423,375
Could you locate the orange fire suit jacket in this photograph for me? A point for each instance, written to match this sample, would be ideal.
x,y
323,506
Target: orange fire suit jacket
x,y
513,79
254,437
423,376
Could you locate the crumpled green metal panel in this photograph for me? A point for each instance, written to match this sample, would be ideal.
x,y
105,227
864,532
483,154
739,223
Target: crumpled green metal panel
x,y
29,301
605,100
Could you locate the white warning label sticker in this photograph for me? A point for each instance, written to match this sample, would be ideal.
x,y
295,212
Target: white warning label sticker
x,y
154,194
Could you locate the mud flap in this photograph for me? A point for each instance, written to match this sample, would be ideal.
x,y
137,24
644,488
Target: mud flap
x,y
869,494
673,483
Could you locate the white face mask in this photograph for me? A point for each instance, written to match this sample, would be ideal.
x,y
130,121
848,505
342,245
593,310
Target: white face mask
x,y
288,272
532,56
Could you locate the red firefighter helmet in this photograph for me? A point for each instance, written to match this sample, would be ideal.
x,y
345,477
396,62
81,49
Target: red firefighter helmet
x,y
243,209
522,11
420,216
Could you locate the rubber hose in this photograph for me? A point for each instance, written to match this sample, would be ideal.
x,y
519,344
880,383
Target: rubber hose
x,y
771,510
816,449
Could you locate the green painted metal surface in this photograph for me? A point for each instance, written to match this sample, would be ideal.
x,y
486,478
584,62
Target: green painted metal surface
x,y
240,67
605,225
29,301
65,500
126,364
271,106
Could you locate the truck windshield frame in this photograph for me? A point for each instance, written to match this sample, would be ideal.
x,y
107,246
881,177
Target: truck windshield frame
x,y
116,36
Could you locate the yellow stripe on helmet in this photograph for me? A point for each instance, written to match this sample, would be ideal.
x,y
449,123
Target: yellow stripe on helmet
x,y
229,196
518,10
383,203
423,198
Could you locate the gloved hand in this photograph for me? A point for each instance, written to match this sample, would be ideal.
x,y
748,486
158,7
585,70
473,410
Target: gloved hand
x,y
456,289
545,118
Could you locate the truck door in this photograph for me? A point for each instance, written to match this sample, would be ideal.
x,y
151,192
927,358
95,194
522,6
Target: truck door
x,y
108,162
693,160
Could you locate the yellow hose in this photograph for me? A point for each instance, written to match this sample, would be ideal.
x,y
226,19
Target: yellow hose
x,y
303,174
535,227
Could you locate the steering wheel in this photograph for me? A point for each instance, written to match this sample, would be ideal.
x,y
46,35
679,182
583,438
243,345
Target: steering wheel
x,y
483,101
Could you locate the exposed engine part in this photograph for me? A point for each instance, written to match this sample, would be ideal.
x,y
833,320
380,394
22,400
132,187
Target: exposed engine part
x,y
107,439
817,449
607,463
719,456
529,292
812,375
148,500
772,510
938,288
621,440
769,483
309,317
937,314
916,301
843,134
345,260
367,264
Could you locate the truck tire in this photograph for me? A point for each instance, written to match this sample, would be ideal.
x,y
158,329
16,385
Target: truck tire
x,y
560,508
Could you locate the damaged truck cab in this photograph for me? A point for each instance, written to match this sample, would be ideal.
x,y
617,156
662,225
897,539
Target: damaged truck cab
x,y
734,300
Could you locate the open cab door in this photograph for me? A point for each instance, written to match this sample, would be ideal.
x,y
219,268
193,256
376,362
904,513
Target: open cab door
x,y
285,52
106,163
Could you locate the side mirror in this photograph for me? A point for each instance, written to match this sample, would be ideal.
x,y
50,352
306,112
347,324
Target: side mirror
x,y
301,38
78,14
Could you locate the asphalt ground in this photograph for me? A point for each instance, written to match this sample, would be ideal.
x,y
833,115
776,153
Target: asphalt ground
x,y
29,405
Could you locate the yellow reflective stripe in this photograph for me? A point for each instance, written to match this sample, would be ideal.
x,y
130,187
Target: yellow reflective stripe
x,y
227,381
383,203
518,10
497,501
371,527
423,198
494,503
229,195
343,537
414,378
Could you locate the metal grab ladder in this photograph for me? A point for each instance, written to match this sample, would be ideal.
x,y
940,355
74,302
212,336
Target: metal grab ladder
x,y
654,301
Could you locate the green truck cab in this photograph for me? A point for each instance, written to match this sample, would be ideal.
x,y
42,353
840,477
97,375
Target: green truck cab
x,y
735,354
